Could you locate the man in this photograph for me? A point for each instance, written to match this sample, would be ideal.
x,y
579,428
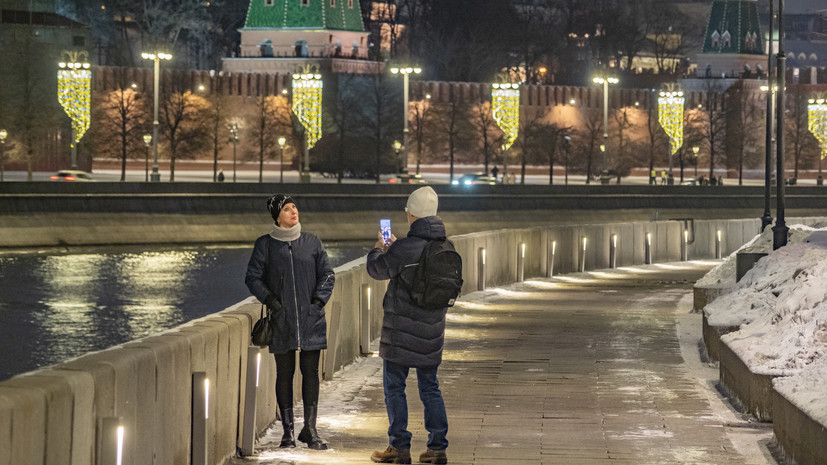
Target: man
x,y
412,337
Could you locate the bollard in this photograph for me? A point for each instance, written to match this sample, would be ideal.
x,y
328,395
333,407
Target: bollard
x,y
613,251
112,441
364,314
648,251
552,252
200,414
685,246
253,375
582,264
521,263
718,244
481,269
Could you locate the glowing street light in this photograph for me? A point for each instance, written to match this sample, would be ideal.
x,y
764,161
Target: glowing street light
x,y
405,72
234,140
282,141
74,92
148,143
505,108
695,150
3,135
670,117
156,58
817,124
605,81
307,106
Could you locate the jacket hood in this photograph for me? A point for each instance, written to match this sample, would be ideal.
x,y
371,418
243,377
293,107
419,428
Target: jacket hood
x,y
430,228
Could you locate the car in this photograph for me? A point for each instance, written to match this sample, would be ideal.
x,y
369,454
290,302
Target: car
x,y
689,182
71,175
474,179
407,179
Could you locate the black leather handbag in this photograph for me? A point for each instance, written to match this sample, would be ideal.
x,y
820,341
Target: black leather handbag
x,y
262,330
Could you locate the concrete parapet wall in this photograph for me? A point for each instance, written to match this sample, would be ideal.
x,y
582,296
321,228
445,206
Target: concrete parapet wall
x,y
712,339
56,415
752,391
802,439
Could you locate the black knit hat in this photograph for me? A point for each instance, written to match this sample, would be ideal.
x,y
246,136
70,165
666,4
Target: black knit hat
x,y
276,203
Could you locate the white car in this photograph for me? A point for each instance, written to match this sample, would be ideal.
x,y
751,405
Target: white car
x,y
71,175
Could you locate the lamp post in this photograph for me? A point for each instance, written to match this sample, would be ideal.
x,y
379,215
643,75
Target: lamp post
x,y
234,140
405,72
604,176
769,139
156,58
780,230
282,141
568,153
147,142
695,150
3,135
817,124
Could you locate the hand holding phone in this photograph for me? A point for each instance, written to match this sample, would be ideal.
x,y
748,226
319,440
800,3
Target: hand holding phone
x,y
385,228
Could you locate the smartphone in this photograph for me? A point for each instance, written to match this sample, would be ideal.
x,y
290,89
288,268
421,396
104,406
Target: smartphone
x,y
385,227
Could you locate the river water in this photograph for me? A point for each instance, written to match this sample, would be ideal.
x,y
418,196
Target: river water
x,y
59,306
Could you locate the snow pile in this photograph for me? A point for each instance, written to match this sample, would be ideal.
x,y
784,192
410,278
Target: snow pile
x,y
756,293
723,275
782,306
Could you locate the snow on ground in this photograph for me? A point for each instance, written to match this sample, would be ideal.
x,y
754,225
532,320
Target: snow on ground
x,y
757,291
781,308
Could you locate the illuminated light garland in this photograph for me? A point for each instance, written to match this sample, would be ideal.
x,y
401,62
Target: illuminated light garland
x,y
670,117
74,92
817,122
307,105
505,108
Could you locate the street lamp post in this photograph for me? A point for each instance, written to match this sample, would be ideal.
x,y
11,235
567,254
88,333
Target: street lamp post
x,y
234,140
780,230
282,141
406,72
156,58
3,135
766,219
568,153
147,142
695,150
397,146
604,176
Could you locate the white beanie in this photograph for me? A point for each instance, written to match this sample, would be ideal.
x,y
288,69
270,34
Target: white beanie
x,y
422,202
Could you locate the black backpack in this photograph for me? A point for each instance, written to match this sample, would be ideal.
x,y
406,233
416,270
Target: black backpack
x,y
438,278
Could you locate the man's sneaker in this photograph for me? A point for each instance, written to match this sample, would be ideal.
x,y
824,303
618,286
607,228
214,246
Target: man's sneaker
x,y
393,455
433,456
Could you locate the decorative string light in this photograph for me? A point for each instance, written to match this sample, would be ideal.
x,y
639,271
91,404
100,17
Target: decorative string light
x,y
505,108
307,104
74,85
670,117
817,122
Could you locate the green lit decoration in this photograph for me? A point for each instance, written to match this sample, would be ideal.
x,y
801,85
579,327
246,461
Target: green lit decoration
x,y
307,104
670,117
505,108
817,122
74,92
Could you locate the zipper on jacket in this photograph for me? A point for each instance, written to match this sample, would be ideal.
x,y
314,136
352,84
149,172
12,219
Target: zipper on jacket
x,y
295,297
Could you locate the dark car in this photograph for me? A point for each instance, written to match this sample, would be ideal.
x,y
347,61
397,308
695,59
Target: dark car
x,y
407,179
71,175
474,179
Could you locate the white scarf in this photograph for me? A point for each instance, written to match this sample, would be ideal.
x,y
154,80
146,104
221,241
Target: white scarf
x,y
286,234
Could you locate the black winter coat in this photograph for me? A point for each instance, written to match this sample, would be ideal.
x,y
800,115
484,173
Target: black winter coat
x,y
411,336
298,273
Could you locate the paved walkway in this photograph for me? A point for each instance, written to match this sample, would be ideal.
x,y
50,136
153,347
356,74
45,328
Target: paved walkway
x,y
593,368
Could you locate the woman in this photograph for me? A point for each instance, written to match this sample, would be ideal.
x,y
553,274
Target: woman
x,y
289,272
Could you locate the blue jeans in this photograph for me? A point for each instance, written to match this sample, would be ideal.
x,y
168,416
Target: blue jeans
x,y
436,420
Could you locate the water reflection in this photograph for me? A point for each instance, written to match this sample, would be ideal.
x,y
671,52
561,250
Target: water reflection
x,y
61,306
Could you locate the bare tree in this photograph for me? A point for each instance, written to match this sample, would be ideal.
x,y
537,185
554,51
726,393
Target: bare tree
x,y
588,141
529,142
216,121
122,118
709,122
486,129
380,116
551,138
182,119
743,128
345,125
272,118
624,157
798,137
451,122
422,120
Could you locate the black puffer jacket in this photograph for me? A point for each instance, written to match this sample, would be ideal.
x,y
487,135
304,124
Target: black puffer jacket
x,y
411,336
298,273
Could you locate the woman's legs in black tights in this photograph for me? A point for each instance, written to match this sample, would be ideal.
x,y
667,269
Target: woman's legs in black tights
x,y
285,367
309,366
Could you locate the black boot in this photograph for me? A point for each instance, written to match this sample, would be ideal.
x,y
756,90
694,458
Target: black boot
x,y
287,423
308,434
